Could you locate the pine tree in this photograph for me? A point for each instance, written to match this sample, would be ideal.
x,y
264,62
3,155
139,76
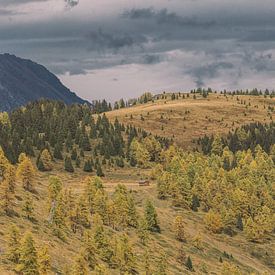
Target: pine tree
x,y
57,152
189,264
28,262
151,217
88,166
99,171
44,260
68,165
13,242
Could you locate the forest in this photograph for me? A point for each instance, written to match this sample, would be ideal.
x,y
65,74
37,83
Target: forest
x,y
56,162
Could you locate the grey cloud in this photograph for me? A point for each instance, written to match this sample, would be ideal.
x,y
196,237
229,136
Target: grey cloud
x,y
101,41
208,71
17,2
151,59
164,17
71,3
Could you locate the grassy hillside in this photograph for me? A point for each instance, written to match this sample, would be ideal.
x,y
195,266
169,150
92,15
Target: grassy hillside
x,y
249,257
187,119
239,185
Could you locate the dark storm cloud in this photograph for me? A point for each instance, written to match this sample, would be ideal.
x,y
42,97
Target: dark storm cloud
x,y
100,40
164,17
203,40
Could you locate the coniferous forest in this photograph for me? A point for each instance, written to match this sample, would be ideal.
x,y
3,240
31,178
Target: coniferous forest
x,y
73,198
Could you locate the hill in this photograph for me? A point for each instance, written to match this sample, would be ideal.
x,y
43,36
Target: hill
x,y
23,81
74,205
186,119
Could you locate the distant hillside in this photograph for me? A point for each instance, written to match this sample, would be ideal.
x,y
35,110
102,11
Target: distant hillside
x,y
186,118
22,81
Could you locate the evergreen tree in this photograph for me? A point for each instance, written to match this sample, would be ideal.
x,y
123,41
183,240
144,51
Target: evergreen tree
x,y
189,264
68,165
57,152
151,217
99,171
88,166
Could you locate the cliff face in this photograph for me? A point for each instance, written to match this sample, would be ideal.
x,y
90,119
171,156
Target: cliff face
x,y
22,81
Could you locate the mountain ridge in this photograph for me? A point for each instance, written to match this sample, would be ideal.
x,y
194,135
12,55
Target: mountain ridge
x,y
23,81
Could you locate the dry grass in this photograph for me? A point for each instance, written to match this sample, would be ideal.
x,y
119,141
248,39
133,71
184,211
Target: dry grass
x,y
62,253
187,119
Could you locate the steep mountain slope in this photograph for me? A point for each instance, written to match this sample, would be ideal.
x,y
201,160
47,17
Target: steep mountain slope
x,y
22,81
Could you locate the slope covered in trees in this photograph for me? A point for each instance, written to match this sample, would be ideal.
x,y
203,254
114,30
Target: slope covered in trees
x,y
71,202
52,131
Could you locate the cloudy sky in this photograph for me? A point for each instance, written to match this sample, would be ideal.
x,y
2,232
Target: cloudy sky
x,y
121,48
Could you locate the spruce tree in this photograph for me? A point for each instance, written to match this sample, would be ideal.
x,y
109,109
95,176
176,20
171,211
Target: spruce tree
x,y
189,264
99,171
88,166
68,165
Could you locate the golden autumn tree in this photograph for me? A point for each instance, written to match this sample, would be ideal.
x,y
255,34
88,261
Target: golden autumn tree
x,y
179,229
26,173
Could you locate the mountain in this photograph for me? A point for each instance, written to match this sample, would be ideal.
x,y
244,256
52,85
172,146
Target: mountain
x,y
22,81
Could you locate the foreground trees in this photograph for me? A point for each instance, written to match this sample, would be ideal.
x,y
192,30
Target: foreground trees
x,y
235,190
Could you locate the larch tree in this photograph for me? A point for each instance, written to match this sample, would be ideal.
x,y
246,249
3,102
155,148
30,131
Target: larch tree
x,y
151,217
13,242
80,266
28,260
44,260
124,255
179,229
26,173
45,161
27,207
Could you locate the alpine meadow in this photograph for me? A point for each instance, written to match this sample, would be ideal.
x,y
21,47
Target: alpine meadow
x,y
144,144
